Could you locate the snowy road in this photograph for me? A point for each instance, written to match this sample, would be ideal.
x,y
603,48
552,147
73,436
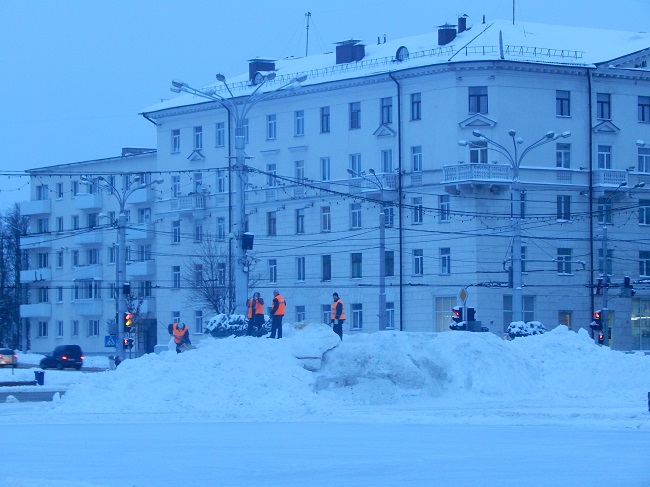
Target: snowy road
x,y
315,454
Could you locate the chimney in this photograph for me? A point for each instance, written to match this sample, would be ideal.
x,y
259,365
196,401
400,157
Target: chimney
x,y
348,51
446,34
462,23
257,65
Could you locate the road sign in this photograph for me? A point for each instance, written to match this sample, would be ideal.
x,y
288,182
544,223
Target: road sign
x,y
110,341
463,295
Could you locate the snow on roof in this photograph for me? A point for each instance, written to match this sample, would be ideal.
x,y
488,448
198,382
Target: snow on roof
x,y
501,39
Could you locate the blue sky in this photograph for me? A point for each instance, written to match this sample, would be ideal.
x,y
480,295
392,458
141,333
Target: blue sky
x,y
76,73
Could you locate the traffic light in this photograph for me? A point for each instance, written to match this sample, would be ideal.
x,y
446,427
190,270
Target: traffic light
x,y
601,338
457,314
471,313
127,343
128,322
628,288
597,324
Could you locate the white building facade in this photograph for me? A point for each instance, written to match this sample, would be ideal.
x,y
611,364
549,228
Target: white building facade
x,y
420,129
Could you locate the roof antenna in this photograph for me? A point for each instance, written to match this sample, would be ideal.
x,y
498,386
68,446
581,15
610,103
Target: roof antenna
x,y
308,15
513,12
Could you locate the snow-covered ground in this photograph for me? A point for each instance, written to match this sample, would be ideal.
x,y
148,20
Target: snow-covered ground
x,y
386,408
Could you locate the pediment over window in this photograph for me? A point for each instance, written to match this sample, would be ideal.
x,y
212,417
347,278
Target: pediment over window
x,y
196,156
385,131
606,127
476,121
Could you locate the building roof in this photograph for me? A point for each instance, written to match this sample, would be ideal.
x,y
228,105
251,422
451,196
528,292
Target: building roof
x,y
497,40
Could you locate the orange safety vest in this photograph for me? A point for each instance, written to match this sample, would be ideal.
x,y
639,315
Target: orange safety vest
x,y
281,306
259,307
333,314
179,334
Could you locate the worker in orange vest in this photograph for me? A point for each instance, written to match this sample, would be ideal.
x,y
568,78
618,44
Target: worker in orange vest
x,y
255,307
337,315
277,313
181,335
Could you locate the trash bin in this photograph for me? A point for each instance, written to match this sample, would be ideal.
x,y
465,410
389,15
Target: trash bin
x,y
39,376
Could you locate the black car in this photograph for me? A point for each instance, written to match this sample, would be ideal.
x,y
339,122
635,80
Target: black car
x,y
64,356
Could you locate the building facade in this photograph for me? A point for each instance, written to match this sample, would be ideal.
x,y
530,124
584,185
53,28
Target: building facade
x,y
403,172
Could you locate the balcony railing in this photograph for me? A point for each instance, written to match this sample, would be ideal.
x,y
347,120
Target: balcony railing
x,y
36,241
88,201
88,307
140,231
36,275
95,272
36,207
476,172
37,310
140,268
188,203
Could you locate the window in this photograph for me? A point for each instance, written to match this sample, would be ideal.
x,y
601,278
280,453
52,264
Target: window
x,y
418,262
92,256
355,164
563,103
324,120
325,173
644,109
563,155
326,268
176,186
176,141
145,289
59,329
300,313
644,159
59,294
59,223
93,328
42,329
59,190
605,267
43,260
273,271
564,207
644,212
144,215
299,122
300,269
176,277
355,265
44,294
386,110
59,258
271,223
389,214
221,181
271,127
390,315
355,115
221,228
387,160
198,274
445,261
74,188
478,99
198,231
355,215
478,152
220,134
75,258
416,158
564,261
299,168
244,123
603,106
198,321
357,316
527,306
111,254
604,157
325,219
43,225
418,213
271,170
416,106
389,263
176,317
604,210
644,263
522,205
300,220
176,231
75,328
198,138
221,273
444,205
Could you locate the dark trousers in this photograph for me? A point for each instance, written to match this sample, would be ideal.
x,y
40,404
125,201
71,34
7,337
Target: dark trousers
x,y
255,322
338,328
276,325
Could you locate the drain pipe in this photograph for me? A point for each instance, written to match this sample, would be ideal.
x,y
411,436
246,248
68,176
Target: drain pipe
x,y
399,199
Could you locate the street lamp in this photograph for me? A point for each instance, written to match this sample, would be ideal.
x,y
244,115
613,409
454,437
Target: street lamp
x,y
130,186
515,159
239,109
382,246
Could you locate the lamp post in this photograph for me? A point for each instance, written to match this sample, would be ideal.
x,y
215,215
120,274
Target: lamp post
x,y
238,108
130,186
515,159
382,246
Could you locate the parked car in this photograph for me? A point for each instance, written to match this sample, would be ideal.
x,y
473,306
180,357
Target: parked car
x,y
8,357
64,356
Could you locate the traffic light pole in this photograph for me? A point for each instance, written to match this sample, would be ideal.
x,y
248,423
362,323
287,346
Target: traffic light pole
x,y
605,311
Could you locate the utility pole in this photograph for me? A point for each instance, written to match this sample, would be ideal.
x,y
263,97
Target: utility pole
x,y
605,310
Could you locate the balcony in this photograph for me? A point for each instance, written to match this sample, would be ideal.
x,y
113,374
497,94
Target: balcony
x,y
140,231
143,195
36,241
462,173
140,268
95,272
190,202
373,184
88,307
36,275
37,310
89,201
90,237
37,207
